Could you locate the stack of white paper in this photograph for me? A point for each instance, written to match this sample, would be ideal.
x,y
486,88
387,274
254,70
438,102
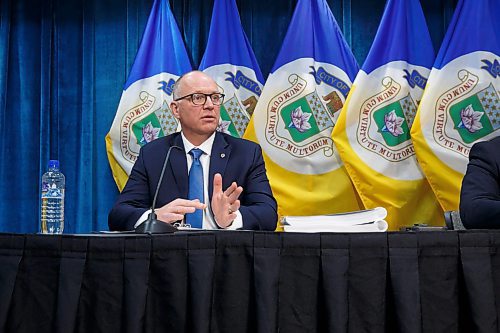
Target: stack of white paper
x,y
371,220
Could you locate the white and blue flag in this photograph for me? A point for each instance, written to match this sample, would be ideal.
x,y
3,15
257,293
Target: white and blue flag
x,y
230,61
144,114
461,103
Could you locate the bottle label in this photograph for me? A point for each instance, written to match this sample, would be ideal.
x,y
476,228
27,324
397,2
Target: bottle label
x,y
51,191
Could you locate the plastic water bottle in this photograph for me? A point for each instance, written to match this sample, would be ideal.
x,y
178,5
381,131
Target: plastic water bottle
x,y
52,210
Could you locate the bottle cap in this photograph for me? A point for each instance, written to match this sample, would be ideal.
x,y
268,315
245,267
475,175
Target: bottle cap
x,y
54,164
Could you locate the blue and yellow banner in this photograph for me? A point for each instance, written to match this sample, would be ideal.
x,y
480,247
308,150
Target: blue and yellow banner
x,y
461,102
373,130
144,113
297,111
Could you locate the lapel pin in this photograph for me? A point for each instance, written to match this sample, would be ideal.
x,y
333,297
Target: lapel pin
x,y
222,155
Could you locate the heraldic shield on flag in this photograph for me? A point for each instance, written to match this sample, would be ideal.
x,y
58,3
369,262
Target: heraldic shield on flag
x,y
466,108
476,116
150,118
300,115
386,109
242,90
392,123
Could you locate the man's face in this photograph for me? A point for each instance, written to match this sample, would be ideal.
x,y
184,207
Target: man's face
x,y
197,121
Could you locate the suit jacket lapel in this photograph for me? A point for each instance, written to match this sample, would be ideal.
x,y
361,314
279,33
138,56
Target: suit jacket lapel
x,y
178,166
221,151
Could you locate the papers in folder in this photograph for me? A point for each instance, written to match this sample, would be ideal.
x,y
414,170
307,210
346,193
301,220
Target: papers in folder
x,y
371,220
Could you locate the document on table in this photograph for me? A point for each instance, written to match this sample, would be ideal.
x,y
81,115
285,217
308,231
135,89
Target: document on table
x,y
371,220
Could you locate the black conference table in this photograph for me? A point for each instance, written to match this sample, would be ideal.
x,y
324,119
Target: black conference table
x,y
230,281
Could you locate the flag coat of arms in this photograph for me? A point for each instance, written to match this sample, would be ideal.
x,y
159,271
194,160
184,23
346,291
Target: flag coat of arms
x,y
373,130
461,104
230,61
297,111
144,113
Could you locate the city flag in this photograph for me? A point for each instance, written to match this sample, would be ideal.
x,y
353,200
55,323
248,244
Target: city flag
x,y
230,61
144,114
461,104
373,130
297,111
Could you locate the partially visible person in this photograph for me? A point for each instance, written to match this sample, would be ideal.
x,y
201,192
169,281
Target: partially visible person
x,y
236,191
480,194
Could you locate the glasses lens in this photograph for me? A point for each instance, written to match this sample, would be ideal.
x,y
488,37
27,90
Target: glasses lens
x,y
198,99
216,98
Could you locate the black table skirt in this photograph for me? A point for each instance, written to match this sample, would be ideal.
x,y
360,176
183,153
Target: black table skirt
x,y
251,282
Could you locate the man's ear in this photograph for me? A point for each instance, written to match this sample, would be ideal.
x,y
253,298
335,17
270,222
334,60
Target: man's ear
x,y
175,109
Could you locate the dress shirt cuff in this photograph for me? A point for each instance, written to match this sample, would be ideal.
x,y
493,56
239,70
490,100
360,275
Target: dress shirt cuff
x,y
143,218
237,223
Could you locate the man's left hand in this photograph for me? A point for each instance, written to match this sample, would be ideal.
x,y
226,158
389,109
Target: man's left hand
x,y
225,203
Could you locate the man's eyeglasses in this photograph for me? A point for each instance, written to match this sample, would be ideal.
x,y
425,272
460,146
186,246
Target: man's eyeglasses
x,y
200,98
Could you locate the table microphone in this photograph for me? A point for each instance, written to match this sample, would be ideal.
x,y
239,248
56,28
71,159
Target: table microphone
x,y
152,225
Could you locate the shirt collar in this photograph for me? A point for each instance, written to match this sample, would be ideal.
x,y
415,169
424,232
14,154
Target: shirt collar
x,y
206,146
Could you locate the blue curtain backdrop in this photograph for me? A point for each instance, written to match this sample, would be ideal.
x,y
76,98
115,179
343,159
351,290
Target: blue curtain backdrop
x,y
63,64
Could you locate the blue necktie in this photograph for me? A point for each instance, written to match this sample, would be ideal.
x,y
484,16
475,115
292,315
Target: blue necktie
x,y
195,188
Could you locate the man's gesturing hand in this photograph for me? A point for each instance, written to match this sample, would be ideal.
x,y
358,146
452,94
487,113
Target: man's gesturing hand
x,y
225,203
175,210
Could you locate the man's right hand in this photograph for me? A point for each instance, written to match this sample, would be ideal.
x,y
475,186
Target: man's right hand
x,y
175,210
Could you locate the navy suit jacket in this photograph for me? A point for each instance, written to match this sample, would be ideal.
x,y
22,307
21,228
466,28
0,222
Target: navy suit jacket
x,y
480,194
237,160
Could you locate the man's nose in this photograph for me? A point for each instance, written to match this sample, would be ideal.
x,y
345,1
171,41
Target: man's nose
x,y
208,103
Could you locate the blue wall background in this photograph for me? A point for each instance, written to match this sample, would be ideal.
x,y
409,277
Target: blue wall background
x,y
63,64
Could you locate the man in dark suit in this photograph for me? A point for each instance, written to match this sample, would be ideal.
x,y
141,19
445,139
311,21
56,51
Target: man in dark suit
x,y
480,194
237,194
